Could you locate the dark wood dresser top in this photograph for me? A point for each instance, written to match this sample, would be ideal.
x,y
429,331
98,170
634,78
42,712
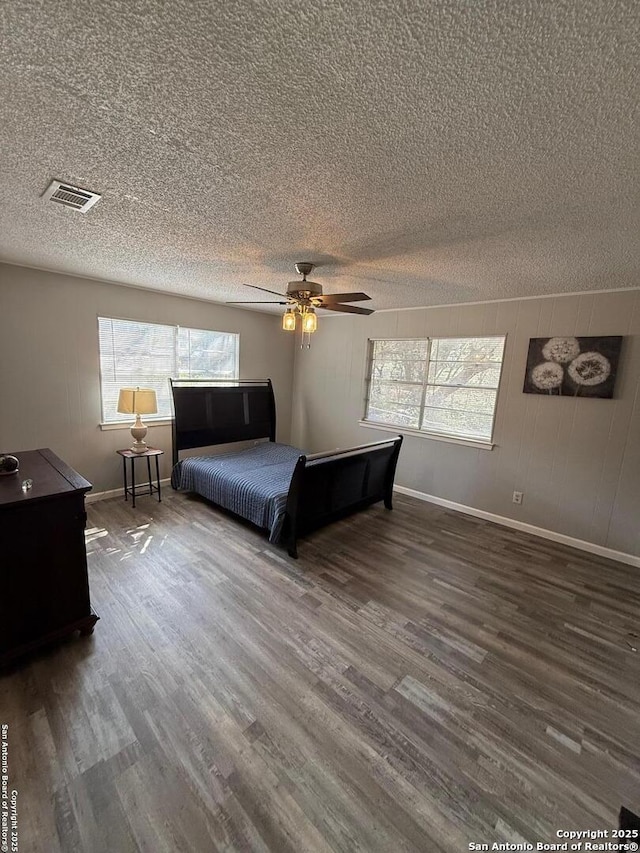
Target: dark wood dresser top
x,y
51,476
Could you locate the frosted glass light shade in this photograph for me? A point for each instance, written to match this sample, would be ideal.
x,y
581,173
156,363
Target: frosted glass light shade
x,y
309,321
289,320
137,401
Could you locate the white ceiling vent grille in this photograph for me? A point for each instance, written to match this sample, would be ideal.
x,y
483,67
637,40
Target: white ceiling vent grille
x,y
74,197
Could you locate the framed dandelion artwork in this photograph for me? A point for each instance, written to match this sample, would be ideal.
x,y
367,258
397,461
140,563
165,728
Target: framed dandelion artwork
x,y
572,367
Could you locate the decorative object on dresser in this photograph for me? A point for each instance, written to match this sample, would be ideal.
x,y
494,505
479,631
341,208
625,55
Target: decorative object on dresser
x,y
44,582
8,464
138,401
131,489
572,367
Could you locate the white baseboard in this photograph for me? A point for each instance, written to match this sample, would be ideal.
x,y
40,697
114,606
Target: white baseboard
x,y
112,493
581,544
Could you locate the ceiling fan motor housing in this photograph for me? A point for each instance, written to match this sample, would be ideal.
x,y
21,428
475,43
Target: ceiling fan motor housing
x,y
310,287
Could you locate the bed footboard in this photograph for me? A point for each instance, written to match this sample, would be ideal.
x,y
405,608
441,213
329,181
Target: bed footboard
x,y
329,486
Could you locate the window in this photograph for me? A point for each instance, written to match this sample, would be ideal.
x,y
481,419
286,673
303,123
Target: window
x,y
445,386
147,354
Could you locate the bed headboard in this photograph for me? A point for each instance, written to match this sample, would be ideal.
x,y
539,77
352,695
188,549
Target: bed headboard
x,y
207,411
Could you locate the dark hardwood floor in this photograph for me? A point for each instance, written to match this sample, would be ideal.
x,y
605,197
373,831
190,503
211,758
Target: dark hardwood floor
x,y
416,681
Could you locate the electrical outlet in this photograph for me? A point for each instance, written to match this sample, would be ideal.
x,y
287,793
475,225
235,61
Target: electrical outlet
x,y
517,497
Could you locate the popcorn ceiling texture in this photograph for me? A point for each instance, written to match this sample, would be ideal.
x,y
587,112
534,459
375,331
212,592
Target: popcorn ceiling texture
x,y
426,152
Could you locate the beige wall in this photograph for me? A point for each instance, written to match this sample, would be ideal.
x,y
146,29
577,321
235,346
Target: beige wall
x,y
49,364
576,460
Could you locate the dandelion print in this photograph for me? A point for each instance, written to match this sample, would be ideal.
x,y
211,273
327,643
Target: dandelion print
x,y
547,376
562,350
590,368
570,366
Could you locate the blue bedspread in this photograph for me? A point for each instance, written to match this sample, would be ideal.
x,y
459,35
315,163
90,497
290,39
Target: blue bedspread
x,y
252,483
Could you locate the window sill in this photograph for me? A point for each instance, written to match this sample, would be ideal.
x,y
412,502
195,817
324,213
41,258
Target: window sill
x,y
128,424
435,436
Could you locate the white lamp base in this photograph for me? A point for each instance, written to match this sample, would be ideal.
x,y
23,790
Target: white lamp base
x,y
138,431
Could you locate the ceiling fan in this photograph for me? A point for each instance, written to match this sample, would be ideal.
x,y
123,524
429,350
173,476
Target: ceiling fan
x,y
303,297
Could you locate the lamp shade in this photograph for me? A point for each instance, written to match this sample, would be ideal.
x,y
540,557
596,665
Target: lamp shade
x,y
137,401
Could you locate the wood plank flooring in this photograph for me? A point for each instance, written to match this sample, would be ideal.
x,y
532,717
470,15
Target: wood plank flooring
x,y
416,681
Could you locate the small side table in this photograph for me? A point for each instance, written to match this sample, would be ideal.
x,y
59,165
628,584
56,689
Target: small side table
x,y
151,488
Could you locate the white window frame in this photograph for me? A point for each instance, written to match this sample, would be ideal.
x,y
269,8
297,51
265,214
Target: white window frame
x,y
125,422
482,444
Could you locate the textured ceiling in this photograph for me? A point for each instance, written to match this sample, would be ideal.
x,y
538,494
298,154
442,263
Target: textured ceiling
x,y
425,152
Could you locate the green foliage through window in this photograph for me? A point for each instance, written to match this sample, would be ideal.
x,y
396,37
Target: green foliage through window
x,y
438,385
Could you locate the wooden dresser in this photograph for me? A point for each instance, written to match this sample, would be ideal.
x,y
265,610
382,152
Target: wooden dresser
x,y
44,587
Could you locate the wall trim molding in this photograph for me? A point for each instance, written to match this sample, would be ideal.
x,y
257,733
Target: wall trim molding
x,y
502,299
324,316
92,497
525,527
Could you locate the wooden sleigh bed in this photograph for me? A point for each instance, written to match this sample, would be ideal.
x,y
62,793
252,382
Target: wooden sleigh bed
x,y
275,486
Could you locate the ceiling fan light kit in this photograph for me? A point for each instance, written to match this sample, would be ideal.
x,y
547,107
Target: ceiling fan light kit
x,y
302,299
308,321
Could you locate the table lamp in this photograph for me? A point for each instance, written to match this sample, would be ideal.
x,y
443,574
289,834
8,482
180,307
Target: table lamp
x,y
138,401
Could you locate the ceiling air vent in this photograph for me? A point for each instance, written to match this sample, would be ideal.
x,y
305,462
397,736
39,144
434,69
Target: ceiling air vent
x,y
74,197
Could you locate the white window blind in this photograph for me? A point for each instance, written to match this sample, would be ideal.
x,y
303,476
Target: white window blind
x,y
447,386
147,354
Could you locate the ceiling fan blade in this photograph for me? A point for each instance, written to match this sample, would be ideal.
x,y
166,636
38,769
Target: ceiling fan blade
x,y
347,309
252,302
344,297
275,292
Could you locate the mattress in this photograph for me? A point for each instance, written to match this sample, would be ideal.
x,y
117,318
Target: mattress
x,y
253,483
